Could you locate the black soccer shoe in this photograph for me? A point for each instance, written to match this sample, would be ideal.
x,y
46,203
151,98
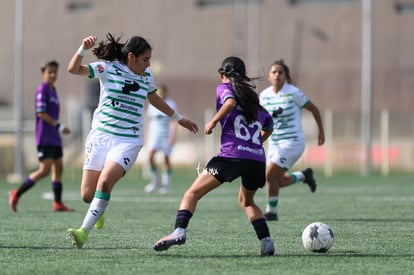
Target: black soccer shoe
x,y
269,216
309,179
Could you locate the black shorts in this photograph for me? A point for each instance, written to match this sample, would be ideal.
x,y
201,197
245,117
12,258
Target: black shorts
x,y
252,172
49,152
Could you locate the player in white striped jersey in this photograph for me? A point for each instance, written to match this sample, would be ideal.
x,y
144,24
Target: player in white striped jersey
x,y
161,137
116,136
286,145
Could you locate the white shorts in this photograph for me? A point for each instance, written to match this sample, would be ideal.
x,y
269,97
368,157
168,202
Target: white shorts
x,y
286,153
101,147
160,144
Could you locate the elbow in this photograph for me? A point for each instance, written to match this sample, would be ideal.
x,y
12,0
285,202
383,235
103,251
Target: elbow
x,y
71,70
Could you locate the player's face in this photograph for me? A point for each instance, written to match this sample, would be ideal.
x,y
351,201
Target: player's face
x,y
139,63
277,76
50,75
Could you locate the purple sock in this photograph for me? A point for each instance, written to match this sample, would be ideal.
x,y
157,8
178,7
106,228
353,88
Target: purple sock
x,y
27,184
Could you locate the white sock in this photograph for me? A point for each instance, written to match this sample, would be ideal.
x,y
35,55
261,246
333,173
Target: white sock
x,y
95,211
166,178
155,179
271,205
299,176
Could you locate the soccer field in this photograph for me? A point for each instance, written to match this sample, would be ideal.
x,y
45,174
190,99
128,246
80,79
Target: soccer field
x,y
372,219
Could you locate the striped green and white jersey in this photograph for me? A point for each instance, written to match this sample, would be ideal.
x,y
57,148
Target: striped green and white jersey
x,y
289,101
160,122
121,101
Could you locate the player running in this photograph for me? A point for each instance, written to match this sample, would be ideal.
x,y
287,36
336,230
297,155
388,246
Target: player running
x,y
116,137
287,142
244,127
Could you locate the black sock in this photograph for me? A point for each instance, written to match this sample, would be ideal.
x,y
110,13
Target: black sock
x,y
26,185
260,226
182,218
57,190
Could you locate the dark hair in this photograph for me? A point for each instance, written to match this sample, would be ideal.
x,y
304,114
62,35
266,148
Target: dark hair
x,y
52,63
111,49
235,70
282,64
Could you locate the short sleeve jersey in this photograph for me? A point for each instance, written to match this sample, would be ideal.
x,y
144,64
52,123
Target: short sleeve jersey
x,y
160,122
239,139
47,101
288,124
121,101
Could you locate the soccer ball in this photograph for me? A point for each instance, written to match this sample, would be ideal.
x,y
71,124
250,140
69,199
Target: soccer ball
x,y
317,237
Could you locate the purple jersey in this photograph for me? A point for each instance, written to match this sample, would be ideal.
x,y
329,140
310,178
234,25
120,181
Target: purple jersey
x,y
239,139
46,101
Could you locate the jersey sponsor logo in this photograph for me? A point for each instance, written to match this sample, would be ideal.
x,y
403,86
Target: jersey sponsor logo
x,y
53,100
125,97
123,106
277,112
130,86
255,151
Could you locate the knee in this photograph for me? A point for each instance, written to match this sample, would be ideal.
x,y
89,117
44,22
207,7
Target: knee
x,y
43,172
87,196
192,196
244,202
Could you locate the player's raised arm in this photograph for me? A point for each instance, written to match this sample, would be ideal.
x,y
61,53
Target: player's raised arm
x,y
75,65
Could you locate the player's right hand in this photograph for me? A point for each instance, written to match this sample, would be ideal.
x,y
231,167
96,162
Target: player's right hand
x,y
89,42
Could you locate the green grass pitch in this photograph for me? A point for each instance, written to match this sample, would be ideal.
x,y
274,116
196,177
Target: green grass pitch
x,y
372,219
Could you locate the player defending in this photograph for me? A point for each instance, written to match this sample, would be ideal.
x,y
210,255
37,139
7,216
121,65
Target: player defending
x,y
244,127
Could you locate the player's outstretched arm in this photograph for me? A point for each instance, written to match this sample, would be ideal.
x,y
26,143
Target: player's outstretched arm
x,y
161,105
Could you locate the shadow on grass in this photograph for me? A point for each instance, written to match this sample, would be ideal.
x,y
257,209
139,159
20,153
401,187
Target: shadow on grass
x,y
346,254
180,255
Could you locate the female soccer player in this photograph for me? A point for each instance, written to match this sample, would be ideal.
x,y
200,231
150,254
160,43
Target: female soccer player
x,y
116,137
244,127
287,143
162,138
48,140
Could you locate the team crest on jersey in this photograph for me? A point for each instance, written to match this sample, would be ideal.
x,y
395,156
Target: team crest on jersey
x,y
100,68
286,97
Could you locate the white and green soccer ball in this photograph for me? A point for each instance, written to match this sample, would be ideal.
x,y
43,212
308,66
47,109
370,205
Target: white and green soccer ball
x,y
317,237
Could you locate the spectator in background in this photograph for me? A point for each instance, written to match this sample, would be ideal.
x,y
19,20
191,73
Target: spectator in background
x,y
48,140
162,133
285,102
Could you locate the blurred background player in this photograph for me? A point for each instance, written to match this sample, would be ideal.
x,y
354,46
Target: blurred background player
x,y
285,102
48,140
162,133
